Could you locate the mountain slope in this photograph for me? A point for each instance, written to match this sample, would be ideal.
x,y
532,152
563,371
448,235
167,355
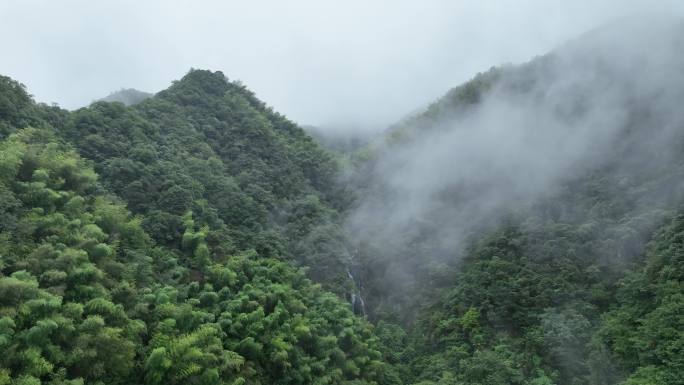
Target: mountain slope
x,y
525,229
511,210
90,293
209,146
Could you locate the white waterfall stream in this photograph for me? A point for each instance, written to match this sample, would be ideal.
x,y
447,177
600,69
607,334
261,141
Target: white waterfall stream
x,y
356,298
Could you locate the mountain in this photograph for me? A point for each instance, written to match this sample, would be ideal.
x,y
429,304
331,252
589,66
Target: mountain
x,y
526,228
519,230
127,96
207,145
157,243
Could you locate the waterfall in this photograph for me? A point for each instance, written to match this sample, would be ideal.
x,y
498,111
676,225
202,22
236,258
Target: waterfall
x,y
358,306
357,302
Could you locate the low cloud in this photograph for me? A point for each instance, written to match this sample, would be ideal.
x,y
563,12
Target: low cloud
x,y
615,91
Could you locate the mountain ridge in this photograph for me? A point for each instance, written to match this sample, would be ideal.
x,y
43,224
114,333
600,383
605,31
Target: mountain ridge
x,y
497,228
525,229
197,283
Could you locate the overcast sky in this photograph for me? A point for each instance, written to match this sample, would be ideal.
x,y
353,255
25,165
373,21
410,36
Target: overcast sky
x,y
330,63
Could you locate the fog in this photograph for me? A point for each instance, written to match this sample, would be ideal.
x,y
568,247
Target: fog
x,y
610,98
340,64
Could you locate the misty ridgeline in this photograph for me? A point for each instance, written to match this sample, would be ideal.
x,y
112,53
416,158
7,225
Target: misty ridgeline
x,y
525,228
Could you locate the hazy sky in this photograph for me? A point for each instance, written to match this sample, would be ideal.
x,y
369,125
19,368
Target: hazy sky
x,y
351,62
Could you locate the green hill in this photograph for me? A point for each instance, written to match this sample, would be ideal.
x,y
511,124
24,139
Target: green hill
x,y
163,252
523,228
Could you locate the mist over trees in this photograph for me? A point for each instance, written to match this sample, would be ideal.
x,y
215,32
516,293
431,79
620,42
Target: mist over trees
x,y
526,228
517,135
127,96
511,209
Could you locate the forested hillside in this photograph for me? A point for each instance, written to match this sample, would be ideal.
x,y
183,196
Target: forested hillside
x,y
527,228
251,178
523,229
164,252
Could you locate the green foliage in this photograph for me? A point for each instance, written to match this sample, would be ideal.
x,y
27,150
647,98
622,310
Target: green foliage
x,y
645,331
252,179
548,290
13,104
87,297
158,243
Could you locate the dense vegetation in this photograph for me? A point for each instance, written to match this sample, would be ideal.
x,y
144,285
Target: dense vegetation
x,y
171,293
581,285
198,237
